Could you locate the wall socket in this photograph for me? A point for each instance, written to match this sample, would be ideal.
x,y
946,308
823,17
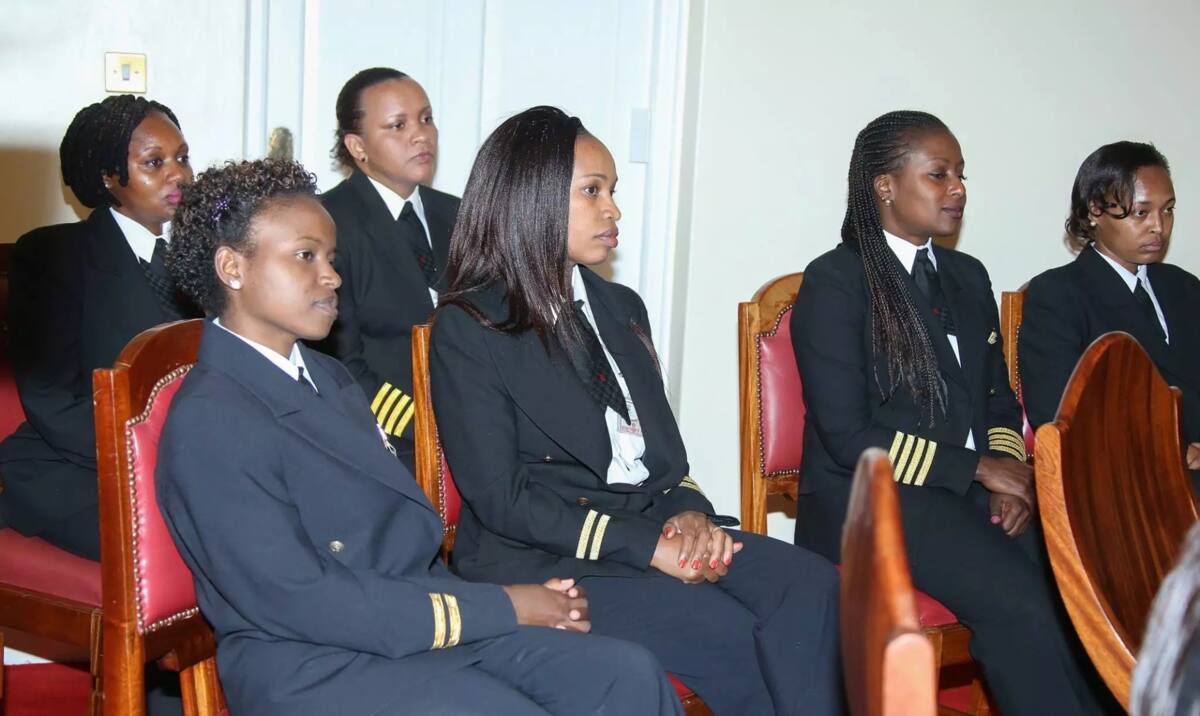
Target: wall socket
x,y
124,72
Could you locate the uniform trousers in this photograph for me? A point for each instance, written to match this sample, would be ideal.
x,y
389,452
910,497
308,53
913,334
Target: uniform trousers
x,y
999,587
538,671
762,640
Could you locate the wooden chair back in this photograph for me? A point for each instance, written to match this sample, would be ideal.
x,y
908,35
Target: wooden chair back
x,y
1115,498
433,473
771,404
149,601
888,663
1011,306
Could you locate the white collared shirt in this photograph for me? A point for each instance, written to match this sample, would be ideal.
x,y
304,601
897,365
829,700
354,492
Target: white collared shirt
x,y
628,444
1131,280
290,365
906,252
395,204
139,237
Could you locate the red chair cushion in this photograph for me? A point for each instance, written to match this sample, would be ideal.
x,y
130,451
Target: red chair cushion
x,y
36,565
11,412
164,583
451,499
932,613
681,689
781,400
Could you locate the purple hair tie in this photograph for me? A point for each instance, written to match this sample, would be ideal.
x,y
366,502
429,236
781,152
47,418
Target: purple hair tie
x,y
220,208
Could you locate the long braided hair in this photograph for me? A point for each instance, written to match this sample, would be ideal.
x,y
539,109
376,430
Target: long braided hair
x,y
897,328
97,143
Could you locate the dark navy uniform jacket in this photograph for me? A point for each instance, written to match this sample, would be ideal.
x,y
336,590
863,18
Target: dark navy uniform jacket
x,y
530,450
314,551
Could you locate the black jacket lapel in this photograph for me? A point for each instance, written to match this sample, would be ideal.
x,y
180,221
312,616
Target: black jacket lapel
x,y
1108,289
947,362
970,324
118,272
384,233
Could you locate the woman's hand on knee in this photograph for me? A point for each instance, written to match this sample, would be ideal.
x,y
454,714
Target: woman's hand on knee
x,y
559,603
1010,513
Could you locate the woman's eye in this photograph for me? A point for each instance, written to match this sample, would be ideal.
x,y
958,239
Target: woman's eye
x,y
185,159
591,190
304,255
428,120
938,175
398,125
962,177
154,163
1169,210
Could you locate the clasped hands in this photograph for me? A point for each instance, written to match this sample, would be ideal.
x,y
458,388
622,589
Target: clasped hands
x,y
693,549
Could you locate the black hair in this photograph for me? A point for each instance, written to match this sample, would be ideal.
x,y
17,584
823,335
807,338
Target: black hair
x,y
350,112
1166,680
512,224
97,144
897,328
217,210
1106,179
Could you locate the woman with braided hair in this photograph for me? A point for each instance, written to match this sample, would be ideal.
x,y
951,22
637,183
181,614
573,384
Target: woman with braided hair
x,y
78,293
899,347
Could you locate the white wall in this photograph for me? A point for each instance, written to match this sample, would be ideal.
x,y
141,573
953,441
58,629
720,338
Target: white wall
x,y
1029,87
52,65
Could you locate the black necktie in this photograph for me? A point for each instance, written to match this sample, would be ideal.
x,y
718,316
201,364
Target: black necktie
x,y
1142,296
419,240
304,381
926,277
160,281
595,371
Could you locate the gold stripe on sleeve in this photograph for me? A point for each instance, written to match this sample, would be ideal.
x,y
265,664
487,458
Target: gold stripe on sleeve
x,y
383,390
455,620
396,411
914,462
439,621
1018,454
924,472
895,446
408,414
899,469
381,416
581,548
599,538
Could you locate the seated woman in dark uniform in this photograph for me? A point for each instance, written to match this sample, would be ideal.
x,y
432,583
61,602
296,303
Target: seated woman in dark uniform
x,y
1122,213
556,426
78,293
314,552
898,344
394,237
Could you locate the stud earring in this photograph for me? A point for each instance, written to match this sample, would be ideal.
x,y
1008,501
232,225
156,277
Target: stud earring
x,y
1092,223
888,201
235,284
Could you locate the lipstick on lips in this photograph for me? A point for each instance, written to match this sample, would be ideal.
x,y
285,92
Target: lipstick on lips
x,y
610,237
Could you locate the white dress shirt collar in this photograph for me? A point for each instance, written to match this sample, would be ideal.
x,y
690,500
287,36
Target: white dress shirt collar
x,y
906,251
139,237
290,365
395,203
1131,279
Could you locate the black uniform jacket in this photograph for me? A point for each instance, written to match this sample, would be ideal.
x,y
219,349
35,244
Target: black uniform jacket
x,y
383,295
1068,307
530,450
847,412
313,549
78,294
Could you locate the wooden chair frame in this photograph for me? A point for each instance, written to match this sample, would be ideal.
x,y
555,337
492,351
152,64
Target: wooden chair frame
x,y
761,316
889,664
184,643
1012,305
1155,510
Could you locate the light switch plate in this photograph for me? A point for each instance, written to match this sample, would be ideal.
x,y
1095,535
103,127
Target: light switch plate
x,y
124,72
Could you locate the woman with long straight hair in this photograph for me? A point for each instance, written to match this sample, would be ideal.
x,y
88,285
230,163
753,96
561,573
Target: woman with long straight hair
x,y
556,426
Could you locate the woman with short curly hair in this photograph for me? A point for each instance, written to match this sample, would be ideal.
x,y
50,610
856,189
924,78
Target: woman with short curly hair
x,y
78,293
313,550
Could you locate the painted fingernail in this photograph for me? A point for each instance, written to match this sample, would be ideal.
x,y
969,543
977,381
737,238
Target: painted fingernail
x,y
728,561
695,564
712,564
682,562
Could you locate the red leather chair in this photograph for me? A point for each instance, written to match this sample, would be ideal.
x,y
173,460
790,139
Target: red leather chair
x,y
149,608
44,591
888,662
433,475
772,441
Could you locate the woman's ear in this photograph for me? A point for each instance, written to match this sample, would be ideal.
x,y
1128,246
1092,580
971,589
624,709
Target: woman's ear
x,y
883,188
354,145
229,265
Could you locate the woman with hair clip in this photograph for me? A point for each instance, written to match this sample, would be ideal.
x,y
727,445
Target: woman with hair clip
x,y
1122,213
313,550
898,344
394,233
556,426
78,293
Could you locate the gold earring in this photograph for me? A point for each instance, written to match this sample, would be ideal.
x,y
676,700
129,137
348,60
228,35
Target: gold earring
x,y
888,201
